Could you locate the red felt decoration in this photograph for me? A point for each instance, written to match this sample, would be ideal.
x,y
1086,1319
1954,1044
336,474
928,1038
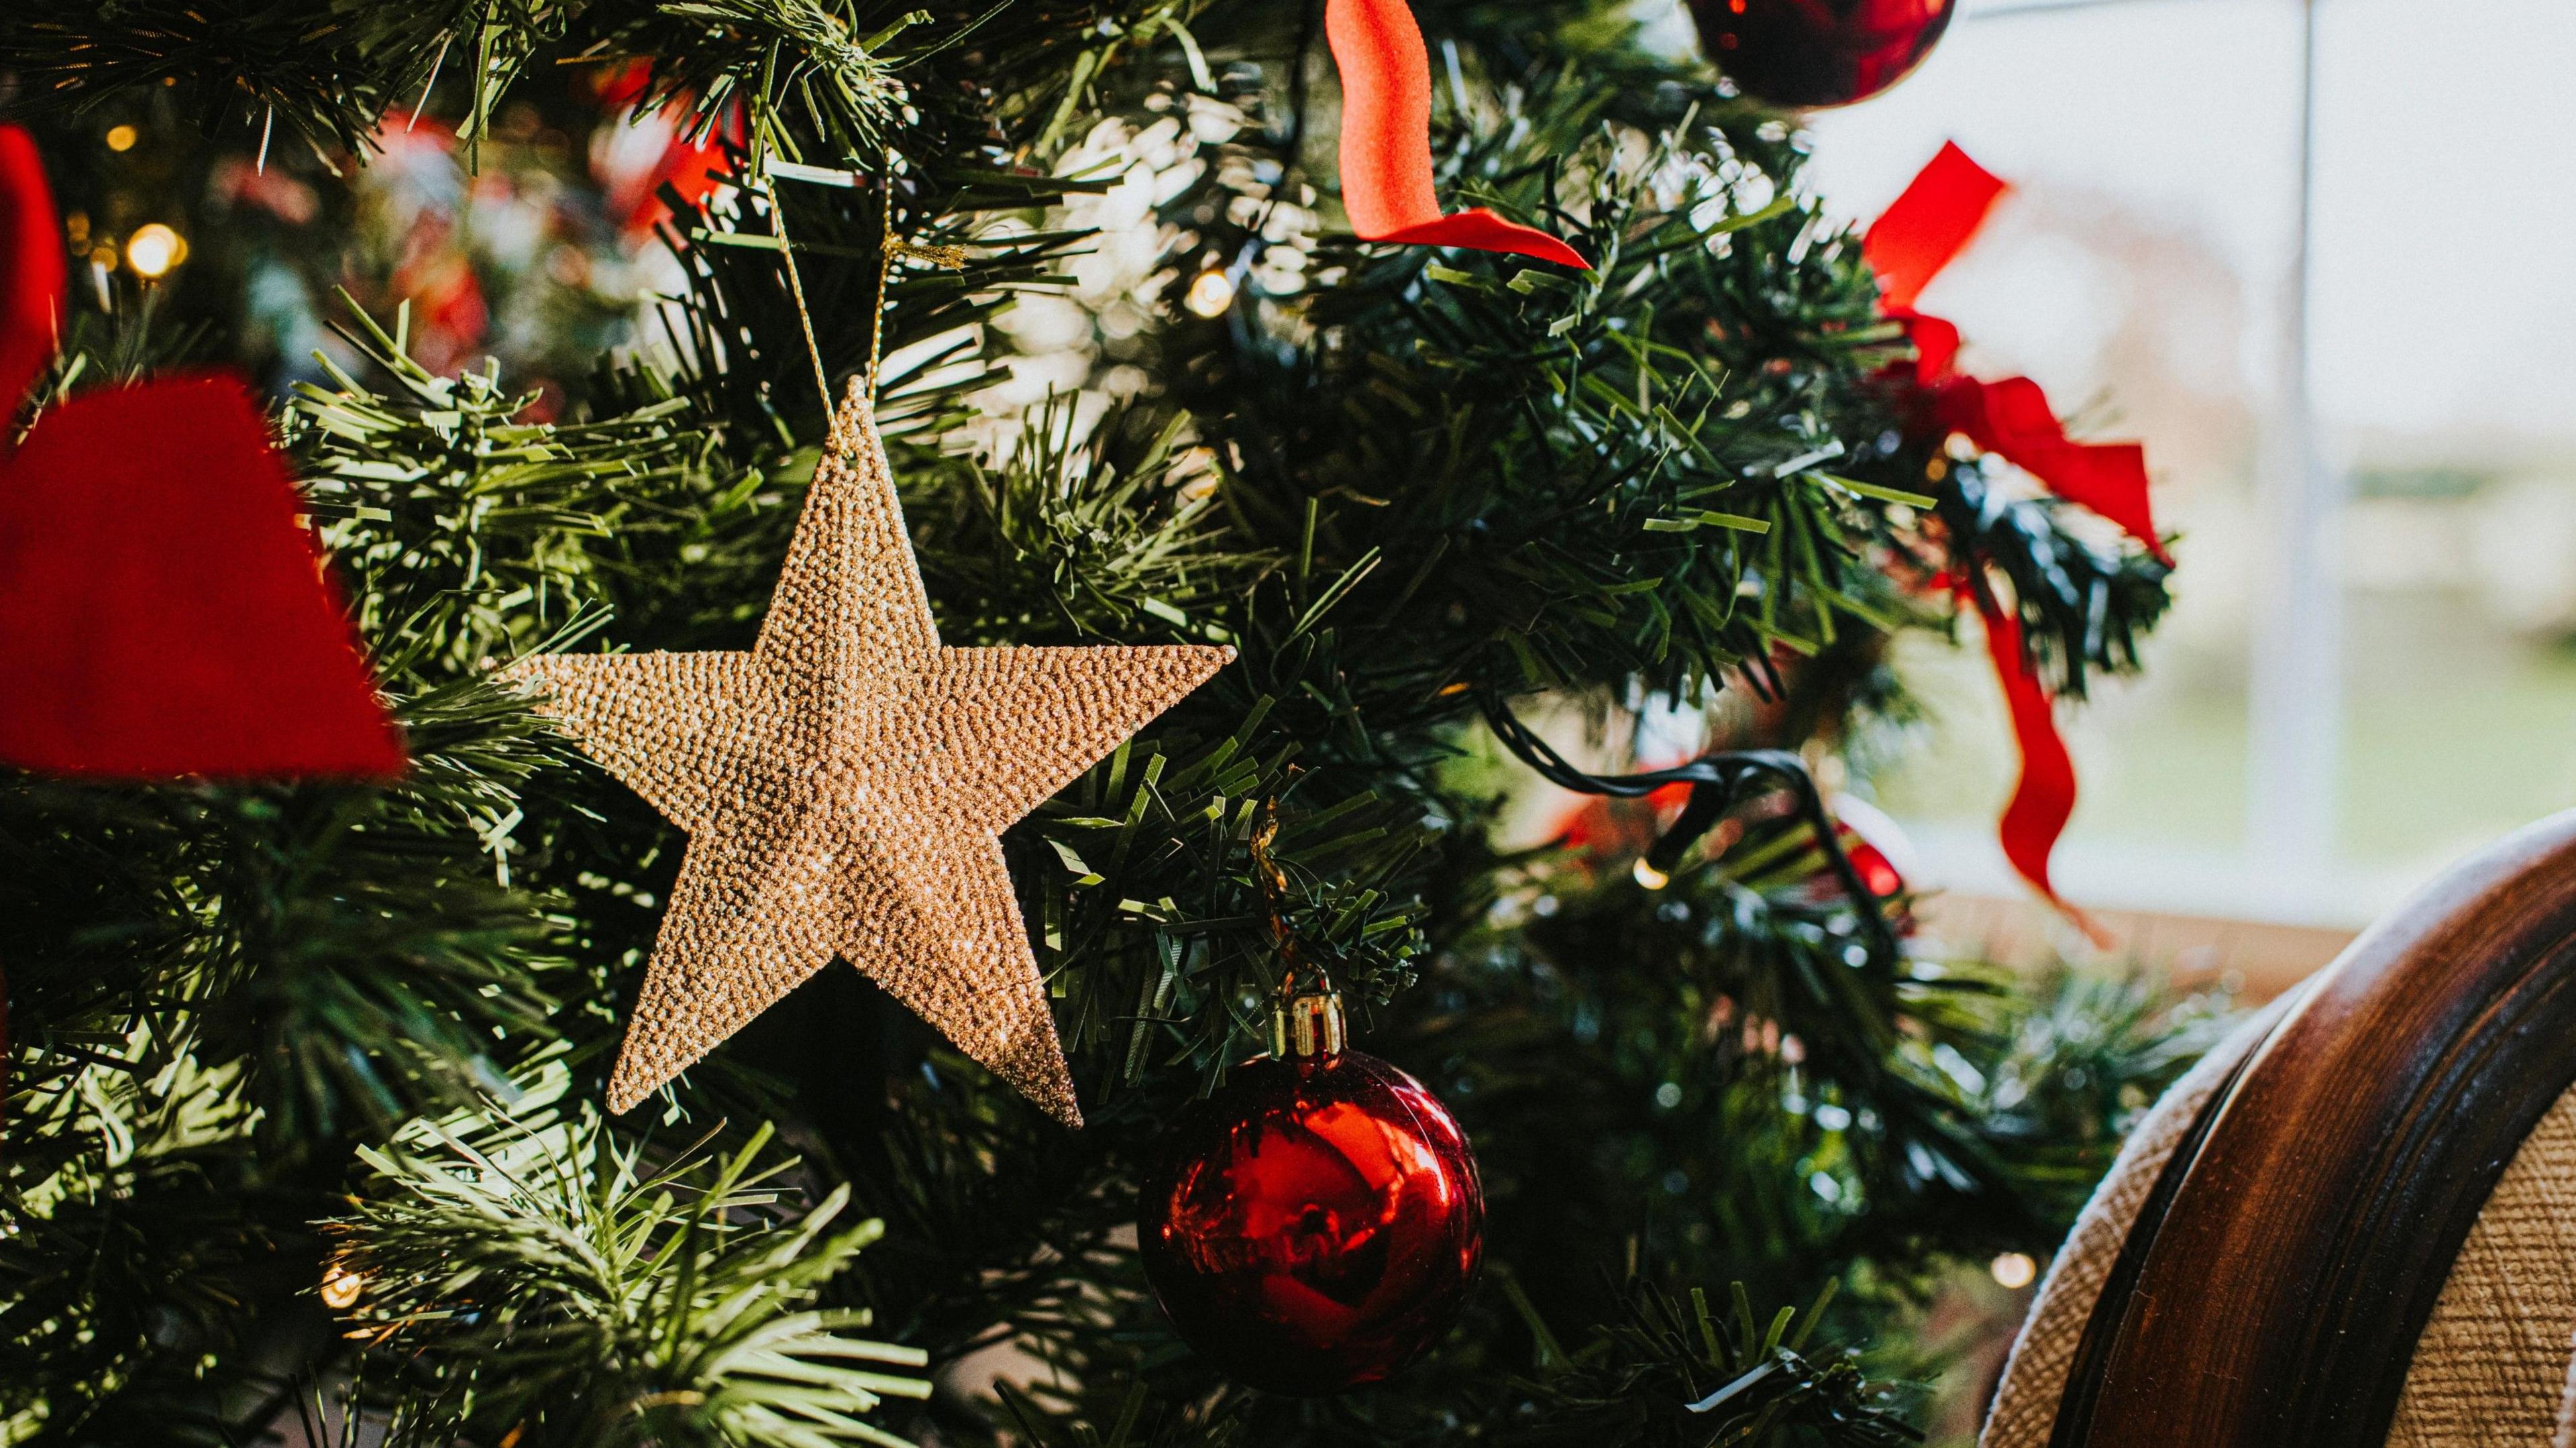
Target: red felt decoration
x,y
167,613
32,279
1386,140
1818,52
32,270
1315,1224
163,611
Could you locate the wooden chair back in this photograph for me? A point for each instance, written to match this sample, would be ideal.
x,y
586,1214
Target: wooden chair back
x,y
2273,1286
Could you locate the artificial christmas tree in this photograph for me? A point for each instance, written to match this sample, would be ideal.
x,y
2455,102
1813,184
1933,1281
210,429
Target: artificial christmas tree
x,y
307,1079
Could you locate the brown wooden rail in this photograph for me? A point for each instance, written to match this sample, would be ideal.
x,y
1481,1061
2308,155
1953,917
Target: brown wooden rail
x,y
2272,1291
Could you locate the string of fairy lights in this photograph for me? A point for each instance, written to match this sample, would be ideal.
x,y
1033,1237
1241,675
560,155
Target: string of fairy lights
x,y
149,252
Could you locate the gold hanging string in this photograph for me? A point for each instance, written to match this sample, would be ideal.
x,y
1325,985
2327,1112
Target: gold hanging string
x,y
1266,871
891,248
796,290
1273,880
895,248
1306,1020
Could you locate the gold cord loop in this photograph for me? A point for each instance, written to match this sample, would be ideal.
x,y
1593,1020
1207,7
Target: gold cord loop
x,y
1306,1019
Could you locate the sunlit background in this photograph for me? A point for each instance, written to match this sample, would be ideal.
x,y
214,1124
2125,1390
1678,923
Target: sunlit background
x,y
2301,748
2317,256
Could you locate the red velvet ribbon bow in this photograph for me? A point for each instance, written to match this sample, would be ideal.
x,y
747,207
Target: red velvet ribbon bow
x,y
1909,244
1386,140
163,610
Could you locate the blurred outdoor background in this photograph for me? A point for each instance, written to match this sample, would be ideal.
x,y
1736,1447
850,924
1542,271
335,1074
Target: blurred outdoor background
x,y
2372,665
2364,428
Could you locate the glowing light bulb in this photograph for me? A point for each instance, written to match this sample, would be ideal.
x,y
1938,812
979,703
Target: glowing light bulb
x,y
1210,294
152,250
2014,1270
122,138
341,1287
1648,876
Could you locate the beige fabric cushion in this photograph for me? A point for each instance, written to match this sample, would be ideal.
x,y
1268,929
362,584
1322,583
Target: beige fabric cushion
x,y
2496,1364
2492,1365
2035,1374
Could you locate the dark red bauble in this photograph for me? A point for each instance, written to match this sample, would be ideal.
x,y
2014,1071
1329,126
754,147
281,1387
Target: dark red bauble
x,y
1818,52
1315,1224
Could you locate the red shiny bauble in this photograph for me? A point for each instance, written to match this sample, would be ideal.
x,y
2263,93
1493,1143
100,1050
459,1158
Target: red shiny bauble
x,y
1315,1224
1818,52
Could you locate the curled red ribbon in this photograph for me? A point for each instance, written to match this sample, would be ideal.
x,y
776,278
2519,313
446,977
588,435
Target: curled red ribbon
x,y
2044,798
1928,225
1919,234
1386,141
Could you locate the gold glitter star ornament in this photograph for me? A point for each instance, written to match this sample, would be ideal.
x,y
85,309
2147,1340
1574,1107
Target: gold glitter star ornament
x,y
844,786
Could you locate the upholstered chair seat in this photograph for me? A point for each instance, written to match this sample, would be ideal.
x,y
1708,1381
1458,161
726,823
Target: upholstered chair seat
x,y
2354,1223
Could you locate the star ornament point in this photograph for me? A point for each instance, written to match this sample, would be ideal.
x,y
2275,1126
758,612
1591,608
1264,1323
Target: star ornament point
x,y
844,785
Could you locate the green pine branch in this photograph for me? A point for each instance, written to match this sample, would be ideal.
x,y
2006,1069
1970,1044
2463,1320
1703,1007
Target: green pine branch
x,y
526,1276
1700,1377
127,1262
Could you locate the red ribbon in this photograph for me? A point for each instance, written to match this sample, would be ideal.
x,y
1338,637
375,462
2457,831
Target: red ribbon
x,y
1925,228
163,610
1919,234
2044,798
1386,141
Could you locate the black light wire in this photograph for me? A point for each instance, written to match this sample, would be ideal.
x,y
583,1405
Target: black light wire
x,y
1719,781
